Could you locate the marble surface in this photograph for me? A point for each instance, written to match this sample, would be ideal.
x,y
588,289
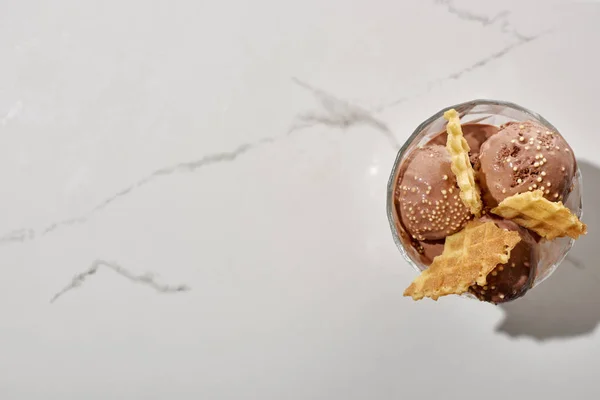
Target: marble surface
x,y
193,199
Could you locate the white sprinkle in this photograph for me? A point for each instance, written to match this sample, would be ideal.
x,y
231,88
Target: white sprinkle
x,y
521,126
562,169
535,186
443,191
530,188
548,184
521,139
536,164
519,180
555,195
445,177
513,141
543,173
547,191
515,168
503,190
539,179
539,147
526,147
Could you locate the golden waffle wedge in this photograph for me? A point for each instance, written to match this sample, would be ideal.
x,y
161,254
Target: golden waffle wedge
x,y
548,219
461,166
468,257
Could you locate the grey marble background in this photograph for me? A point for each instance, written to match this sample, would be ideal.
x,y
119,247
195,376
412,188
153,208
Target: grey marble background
x,y
193,199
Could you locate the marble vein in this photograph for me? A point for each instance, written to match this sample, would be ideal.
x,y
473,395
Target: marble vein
x,y
26,234
456,75
501,19
492,57
335,113
470,16
146,279
340,114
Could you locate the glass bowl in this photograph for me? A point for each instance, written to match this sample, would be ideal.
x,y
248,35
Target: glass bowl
x,y
491,112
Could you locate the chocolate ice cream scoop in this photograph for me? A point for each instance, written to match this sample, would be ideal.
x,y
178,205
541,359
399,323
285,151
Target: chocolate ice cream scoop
x,y
525,156
475,135
427,250
427,197
513,279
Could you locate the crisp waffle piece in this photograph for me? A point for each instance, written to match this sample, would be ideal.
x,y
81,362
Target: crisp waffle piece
x,y
468,257
548,219
461,166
